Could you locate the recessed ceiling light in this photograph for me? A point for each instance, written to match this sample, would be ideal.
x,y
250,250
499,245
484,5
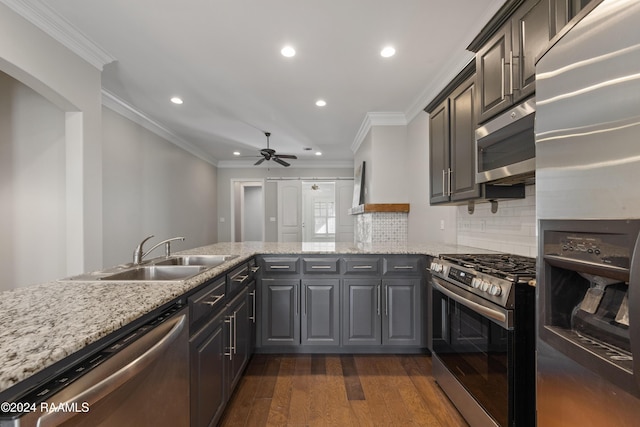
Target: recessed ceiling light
x,y
288,51
318,153
387,52
176,100
321,102
236,153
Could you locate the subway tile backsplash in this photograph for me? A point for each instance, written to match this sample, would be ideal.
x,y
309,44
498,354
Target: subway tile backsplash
x,y
512,229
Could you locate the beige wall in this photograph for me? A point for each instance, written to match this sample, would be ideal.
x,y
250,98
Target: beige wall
x,y
73,86
152,186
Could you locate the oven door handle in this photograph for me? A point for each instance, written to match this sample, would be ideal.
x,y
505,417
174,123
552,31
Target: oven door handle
x,y
634,314
497,316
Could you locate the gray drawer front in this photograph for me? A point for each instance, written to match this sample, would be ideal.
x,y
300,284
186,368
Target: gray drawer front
x,y
362,266
238,279
206,303
281,265
321,265
397,266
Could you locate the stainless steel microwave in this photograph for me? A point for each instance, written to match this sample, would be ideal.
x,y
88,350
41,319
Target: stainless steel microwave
x,y
506,147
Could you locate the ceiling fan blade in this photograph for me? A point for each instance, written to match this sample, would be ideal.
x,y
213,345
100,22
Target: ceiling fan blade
x,y
287,156
282,162
258,162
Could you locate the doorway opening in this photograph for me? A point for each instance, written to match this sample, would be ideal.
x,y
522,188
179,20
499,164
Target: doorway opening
x,y
247,211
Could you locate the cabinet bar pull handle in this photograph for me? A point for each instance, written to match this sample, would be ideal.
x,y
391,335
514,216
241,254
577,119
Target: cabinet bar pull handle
x,y
240,279
230,354
215,300
235,332
511,73
253,316
280,267
386,300
295,299
378,301
502,78
362,267
320,267
255,269
403,267
449,173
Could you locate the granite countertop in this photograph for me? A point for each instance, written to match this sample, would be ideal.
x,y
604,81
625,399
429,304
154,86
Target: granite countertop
x,y
42,324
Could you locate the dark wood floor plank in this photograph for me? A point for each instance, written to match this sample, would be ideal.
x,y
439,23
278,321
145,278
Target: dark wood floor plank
x,y
318,364
269,378
373,385
337,404
351,378
300,401
437,402
281,400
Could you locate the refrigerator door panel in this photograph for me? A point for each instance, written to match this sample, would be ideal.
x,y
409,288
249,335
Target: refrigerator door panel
x,y
588,118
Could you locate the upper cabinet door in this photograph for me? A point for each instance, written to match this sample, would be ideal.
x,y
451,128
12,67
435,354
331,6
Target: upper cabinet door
x,y
494,70
439,153
530,34
463,148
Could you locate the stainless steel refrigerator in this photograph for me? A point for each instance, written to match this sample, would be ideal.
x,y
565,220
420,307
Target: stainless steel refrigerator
x,y
588,205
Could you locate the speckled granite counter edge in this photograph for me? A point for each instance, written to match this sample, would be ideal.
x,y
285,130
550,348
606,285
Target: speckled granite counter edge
x,y
42,324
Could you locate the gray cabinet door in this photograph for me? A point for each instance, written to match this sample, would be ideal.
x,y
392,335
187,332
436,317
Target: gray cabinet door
x,y
493,68
402,320
320,312
280,312
530,34
463,148
238,345
439,153
361,312
206,354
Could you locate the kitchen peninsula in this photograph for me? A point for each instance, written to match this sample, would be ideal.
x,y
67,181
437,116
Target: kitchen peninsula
x,y
43,324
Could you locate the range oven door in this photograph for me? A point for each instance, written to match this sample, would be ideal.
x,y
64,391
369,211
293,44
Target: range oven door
x,y
477,349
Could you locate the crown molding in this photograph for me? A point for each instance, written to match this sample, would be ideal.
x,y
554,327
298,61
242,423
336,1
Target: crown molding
x,y
119,106
49,21
377,119
296,164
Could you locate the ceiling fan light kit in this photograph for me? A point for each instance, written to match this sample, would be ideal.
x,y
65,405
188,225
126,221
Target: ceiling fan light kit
x,y
270,154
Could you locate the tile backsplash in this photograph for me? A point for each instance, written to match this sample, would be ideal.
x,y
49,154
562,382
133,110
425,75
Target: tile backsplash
x,y
381,227
511,229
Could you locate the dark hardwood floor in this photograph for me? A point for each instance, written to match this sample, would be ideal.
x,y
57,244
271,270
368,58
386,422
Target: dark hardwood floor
x,y
340,390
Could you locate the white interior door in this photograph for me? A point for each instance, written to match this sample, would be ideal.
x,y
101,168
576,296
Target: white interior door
x,y
289,211
344,221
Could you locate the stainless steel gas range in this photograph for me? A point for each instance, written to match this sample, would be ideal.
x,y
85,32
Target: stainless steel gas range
x,y
484,336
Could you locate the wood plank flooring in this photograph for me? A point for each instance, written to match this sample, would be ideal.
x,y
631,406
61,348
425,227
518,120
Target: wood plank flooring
x,y
340,390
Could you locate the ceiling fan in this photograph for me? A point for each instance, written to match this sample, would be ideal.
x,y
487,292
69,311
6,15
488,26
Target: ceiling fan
x,y
270,154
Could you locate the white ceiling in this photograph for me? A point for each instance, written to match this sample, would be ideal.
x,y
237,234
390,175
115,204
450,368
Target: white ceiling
x,y
223,58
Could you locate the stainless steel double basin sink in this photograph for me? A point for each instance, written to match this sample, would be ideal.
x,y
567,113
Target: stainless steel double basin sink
x,y
172,268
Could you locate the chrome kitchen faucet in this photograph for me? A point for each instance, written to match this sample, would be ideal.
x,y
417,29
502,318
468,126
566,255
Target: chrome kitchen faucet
x,y
138,255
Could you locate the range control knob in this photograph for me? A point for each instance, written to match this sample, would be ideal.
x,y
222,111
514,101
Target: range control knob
x,y
485,286
436,267
495,290
476,283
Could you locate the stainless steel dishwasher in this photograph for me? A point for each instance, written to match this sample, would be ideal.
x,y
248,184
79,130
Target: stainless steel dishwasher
x,y
142,379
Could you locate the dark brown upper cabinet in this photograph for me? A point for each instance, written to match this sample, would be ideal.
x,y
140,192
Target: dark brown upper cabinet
x,y
506,52
451,141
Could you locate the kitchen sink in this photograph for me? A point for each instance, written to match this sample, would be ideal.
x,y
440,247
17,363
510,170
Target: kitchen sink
x,y
156,273
202,260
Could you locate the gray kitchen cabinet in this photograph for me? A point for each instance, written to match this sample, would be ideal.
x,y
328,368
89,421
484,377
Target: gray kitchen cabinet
x,y
207,347
505,62
237,336
386,312
452,142
401,314
361,312
280,314
320,312
563,11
